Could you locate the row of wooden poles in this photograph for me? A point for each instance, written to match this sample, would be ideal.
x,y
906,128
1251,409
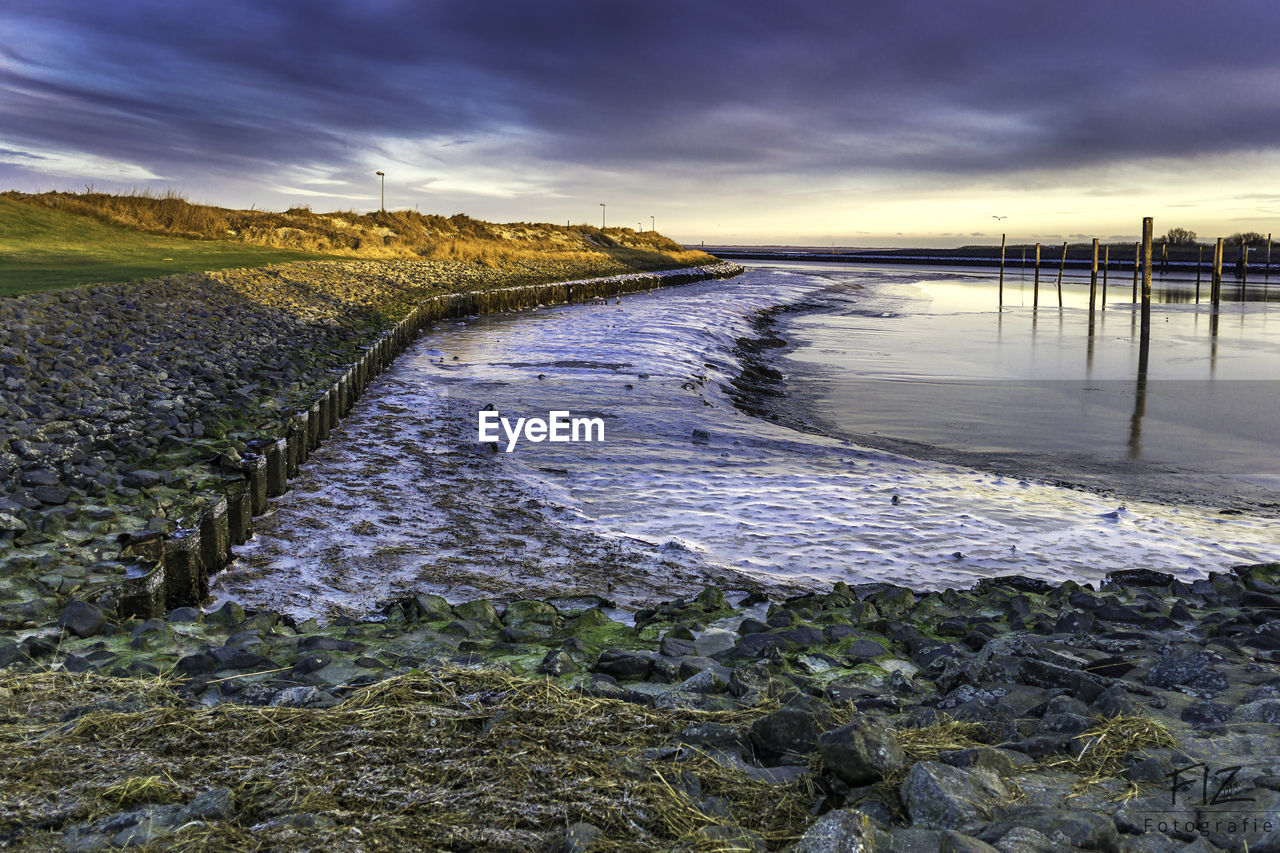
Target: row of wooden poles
x,y
1141,260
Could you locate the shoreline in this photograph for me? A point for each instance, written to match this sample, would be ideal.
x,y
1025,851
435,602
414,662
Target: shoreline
x,y
762,391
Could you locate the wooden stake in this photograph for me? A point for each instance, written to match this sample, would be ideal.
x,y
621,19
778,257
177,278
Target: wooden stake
x,y
1002,236
1244,264
1137,263
1036,301
1199,263
1061,267
1093,278
1106,265
1215,286
1164,257
1147,224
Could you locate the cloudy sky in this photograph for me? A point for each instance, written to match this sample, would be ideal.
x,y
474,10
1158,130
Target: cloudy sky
x,y
854,123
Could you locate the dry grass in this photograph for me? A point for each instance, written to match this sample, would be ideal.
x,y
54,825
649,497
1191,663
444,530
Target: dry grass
x,y
381,234
1107,747
453,759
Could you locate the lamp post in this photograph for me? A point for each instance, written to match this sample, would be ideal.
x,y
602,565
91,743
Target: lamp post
x,y
601,216
383,175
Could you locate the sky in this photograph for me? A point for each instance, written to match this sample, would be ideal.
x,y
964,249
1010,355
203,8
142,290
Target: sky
x,y
862,123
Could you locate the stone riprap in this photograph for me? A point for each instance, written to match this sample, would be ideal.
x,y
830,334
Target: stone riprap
x,y
146,423
1015,716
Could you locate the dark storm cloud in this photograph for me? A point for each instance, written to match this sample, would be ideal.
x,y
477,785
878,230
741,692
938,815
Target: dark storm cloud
x,y
708,87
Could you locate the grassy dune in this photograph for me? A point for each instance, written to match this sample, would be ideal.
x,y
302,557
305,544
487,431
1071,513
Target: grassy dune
x,y
54,240
44,249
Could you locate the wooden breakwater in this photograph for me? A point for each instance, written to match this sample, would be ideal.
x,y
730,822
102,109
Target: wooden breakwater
x,y
162,571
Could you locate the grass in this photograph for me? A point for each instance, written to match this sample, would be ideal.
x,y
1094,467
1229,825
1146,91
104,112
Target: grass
x,y
60,239
46,248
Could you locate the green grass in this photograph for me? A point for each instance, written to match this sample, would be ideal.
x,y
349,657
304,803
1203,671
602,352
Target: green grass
x,y
43,249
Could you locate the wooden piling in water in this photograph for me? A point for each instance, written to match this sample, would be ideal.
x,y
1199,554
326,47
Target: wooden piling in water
x,y
1002,236
1036,299
1199,263
1137,262
1147,224
1244,264
1215,285
1268,272
1106,265
1062,266
1093,278
1164,257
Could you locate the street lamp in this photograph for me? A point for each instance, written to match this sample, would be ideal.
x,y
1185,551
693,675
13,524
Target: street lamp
x,y
601,216
383,175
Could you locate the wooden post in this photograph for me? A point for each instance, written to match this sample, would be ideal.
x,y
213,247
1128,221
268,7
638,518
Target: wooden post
x,y
1147,224
1268,272
1164,257
1002,236
1215,286
1035,303
1199,263
1062,266
1244,264
1106,265
1093,278
1137,263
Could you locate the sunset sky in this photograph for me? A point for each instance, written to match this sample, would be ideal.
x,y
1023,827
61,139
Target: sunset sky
x,y
868,123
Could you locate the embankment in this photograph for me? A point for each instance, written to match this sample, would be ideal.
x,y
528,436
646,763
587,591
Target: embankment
x,y
151,421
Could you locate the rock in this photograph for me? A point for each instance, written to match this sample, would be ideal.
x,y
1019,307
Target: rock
x,y
1260,711
938,796
521,611
51,495
1026,839
861,752
954,842
1195,673
623,665
840,831
706,682
557,662
228,614
297,697
714,641
728,837
82,619
184,614
786,734
1206,714
1084,829
142,479
676,647
213,804
580,838
863,651
480,611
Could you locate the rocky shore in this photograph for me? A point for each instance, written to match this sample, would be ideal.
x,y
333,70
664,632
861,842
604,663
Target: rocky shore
x,y
145,423
1015,716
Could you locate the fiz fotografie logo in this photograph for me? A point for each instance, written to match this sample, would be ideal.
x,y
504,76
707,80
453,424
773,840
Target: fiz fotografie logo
x,y
1199,786
558,426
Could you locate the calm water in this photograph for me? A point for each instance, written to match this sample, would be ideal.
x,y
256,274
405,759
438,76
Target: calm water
x,y
686,489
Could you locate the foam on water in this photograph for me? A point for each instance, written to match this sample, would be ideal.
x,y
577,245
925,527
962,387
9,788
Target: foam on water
x,y
685,489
